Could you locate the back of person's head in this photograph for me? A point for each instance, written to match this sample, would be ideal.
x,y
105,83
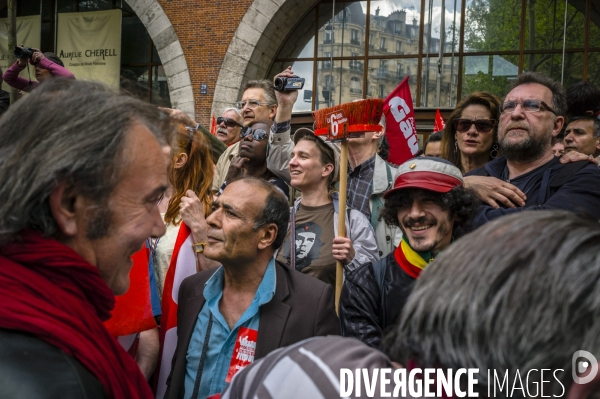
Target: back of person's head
x,y
54,58
518,294
559,97
266,86
312,368
65,131
195,174
489,101
583,98
276,209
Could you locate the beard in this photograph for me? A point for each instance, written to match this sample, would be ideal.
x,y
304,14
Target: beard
x,y
527,150
427,244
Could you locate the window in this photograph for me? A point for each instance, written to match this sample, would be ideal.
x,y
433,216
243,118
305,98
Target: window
x,y
329,82
382,44
355,86
329,34
484,47
142,73
326,64
354,37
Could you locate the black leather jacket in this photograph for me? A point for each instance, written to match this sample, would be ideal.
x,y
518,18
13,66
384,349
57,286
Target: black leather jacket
x,y
365,309
31,368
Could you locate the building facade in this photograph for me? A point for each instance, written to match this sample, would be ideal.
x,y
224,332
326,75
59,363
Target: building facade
x,y
195,55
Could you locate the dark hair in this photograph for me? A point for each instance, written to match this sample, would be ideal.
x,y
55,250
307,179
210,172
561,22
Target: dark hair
x,y
54,58
383,149
595,124
559,98
583,98
520,293
462,203
66,131
557,139
434,138
449,148
267,87
276,210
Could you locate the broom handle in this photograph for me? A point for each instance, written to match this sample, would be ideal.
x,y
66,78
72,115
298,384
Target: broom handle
x,y
339,270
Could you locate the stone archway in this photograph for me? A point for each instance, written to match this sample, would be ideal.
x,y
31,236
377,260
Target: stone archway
x,y
257,39
169,49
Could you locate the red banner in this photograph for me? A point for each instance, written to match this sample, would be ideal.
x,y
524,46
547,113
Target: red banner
x,y
439,123
400,129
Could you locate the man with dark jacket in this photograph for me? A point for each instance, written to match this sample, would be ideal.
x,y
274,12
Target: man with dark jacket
x,y
249,306
431,207
532,113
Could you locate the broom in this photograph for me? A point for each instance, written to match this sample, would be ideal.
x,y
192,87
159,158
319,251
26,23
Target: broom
x,y
362,116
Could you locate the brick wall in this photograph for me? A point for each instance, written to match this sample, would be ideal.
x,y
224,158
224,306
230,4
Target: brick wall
x,y
205,29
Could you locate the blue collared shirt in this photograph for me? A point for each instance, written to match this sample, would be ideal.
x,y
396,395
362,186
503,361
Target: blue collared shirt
x,y
222,339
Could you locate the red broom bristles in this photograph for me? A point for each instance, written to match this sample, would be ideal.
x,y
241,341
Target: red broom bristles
x,y
363,112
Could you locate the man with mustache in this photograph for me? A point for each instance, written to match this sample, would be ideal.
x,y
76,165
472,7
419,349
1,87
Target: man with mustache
x,y
532,113
229,125
431,206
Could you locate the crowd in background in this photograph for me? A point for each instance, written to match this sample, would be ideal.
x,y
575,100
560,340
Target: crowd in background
x,y
484,252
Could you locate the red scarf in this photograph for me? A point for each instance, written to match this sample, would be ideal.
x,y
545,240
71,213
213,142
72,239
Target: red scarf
x,y
50,291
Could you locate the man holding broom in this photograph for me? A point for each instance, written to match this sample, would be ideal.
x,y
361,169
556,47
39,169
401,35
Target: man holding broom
x,y
369,176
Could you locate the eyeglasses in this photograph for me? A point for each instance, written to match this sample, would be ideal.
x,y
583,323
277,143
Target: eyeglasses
x,y
257,134
527,105
228,122
482,125
252,104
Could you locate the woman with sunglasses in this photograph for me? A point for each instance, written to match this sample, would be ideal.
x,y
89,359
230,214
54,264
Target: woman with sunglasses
x,y
470,138
311,245
189,198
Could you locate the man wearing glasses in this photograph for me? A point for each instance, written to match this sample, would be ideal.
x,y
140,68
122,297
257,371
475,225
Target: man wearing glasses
x,y
258,103
532,113
229,125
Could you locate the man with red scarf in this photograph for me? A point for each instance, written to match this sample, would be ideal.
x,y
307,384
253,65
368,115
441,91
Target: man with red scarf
x,y
431,206
81,171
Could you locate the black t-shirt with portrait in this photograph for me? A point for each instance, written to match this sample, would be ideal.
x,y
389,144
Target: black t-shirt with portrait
x,y
314,241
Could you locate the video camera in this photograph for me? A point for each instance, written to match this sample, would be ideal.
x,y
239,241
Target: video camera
x,y
289,84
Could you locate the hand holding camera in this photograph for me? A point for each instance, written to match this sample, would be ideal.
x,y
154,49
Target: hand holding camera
x,y
25,54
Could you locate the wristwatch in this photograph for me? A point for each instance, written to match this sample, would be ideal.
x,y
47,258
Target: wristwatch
x,y
199,247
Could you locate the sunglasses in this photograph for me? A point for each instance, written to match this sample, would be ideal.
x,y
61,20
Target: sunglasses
x,y
257,134
482,125
228,122
527,106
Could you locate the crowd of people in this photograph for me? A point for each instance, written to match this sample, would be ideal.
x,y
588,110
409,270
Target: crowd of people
x,y
483,253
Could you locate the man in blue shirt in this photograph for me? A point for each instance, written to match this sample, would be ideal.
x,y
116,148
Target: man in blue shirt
x,y
252,304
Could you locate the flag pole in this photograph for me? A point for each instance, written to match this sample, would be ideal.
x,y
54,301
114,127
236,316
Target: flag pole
x,y
339,269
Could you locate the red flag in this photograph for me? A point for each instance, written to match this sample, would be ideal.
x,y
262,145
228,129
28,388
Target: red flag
x,y
400,129
213,125
133,311
183,264
439,123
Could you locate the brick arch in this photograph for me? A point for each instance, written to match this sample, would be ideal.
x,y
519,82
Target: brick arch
x,y
255,43
169,49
